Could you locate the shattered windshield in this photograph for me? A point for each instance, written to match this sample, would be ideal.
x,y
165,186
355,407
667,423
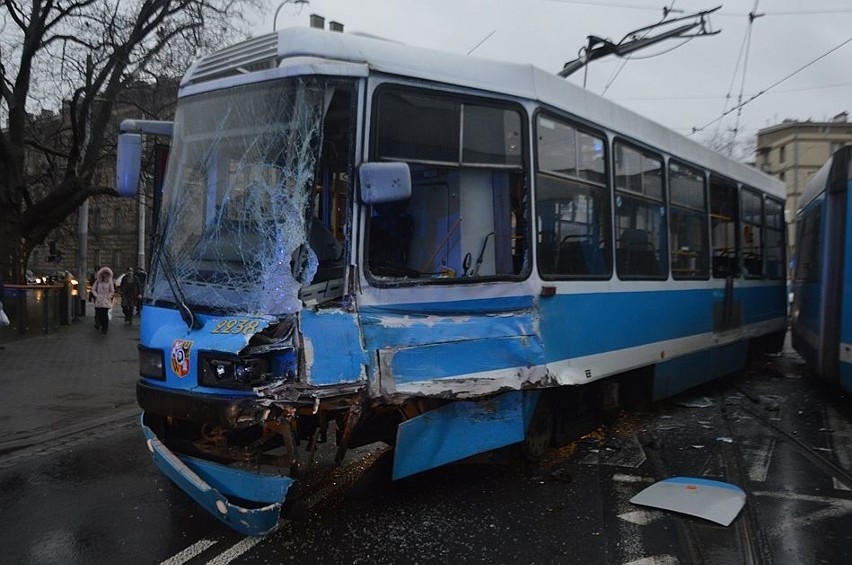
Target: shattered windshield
x,y
238,195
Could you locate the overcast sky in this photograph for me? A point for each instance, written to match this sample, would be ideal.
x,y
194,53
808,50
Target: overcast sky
x,y
680,84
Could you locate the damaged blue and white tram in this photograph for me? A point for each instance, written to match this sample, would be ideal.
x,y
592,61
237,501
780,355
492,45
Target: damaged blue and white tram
x,y
821,313
370,242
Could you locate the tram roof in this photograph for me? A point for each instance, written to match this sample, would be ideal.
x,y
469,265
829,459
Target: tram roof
x,y
307,45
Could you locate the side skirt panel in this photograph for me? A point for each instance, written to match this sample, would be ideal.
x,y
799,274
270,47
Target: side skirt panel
x,y
460,429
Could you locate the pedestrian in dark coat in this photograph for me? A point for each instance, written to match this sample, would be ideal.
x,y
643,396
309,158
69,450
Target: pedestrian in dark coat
x,y
129,294
141,279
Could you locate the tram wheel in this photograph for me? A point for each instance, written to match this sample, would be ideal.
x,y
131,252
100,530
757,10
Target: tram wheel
x,y
538,438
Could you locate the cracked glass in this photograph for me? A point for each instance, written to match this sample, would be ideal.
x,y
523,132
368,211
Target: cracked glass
x,y
238,198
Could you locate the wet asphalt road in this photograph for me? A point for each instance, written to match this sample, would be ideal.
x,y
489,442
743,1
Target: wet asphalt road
x,y
786,440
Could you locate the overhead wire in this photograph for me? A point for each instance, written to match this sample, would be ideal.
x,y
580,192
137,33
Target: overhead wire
x,y
723,96
753,15
771,86
733,78
648,7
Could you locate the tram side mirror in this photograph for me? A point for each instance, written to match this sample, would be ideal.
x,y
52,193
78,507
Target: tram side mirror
x,y
384,182
127,163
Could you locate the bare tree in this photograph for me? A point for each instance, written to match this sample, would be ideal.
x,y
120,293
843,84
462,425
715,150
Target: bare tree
x,y
78,57
728,143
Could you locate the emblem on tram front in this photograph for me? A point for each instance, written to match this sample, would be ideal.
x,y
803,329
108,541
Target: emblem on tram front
x,y
180,357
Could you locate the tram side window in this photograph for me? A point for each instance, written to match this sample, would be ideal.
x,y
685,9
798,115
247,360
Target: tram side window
x,y
752,233
723,227
775,245
688,222
809,244
572,202
640,214
466,214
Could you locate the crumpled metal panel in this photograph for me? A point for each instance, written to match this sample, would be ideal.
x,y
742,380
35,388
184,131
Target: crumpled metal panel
x,y
333,352
458,430
494,342
474,358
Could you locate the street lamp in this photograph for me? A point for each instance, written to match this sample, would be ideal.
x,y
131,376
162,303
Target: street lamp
x,y
281,5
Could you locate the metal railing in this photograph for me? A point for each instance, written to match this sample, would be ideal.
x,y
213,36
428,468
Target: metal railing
x,y
38,309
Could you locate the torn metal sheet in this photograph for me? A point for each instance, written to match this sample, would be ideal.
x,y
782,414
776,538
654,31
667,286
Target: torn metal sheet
x,y
715,501
458,430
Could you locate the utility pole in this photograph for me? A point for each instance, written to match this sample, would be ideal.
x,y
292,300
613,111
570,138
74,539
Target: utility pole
x,y
82,256
639,39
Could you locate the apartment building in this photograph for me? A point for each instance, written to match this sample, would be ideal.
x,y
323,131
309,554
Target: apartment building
x,y
794,151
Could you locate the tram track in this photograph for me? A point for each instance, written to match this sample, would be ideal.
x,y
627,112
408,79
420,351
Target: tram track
x,y
687,535
700,541
754,546
824,463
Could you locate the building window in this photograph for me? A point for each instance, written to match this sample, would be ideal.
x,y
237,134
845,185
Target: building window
x,y
782,153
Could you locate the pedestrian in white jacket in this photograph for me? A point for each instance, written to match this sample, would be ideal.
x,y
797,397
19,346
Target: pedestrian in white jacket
x,y
103,291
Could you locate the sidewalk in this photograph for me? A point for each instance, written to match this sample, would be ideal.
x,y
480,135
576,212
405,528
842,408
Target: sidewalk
x,y
68,381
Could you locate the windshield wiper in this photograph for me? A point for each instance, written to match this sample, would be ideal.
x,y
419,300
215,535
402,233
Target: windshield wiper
x,y
174,284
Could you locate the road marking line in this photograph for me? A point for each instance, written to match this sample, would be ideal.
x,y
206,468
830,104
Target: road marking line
x,y
656,560
759,459
624,478
839,428
190,552
640,517
805,497
836,507
235,551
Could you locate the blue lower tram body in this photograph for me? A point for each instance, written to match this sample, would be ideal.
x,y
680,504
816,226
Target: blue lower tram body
x,y
439,382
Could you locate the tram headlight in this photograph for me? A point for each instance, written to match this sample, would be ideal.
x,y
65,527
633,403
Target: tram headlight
x,y
232,372
151,364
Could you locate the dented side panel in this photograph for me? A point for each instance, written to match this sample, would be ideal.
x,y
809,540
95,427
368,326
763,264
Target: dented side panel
x,y
458,430
460,358
450,344
333,352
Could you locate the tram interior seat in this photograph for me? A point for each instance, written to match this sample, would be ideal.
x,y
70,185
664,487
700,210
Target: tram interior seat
x,y
724,263
571,259
753,264
573,255
635,254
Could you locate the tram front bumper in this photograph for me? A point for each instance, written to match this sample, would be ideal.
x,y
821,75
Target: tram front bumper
x,y
210,485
